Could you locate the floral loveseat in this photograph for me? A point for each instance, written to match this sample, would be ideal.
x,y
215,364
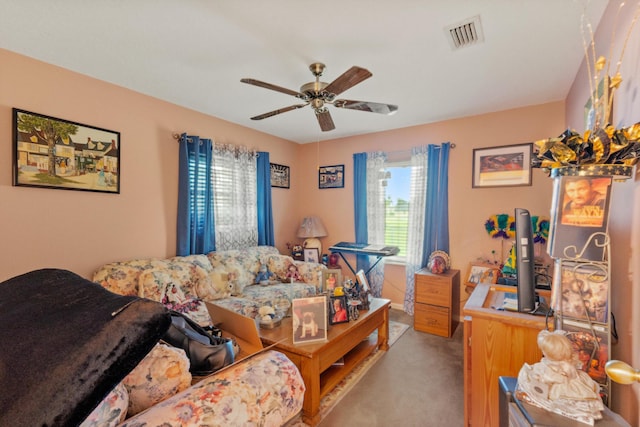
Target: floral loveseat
x,y
225,278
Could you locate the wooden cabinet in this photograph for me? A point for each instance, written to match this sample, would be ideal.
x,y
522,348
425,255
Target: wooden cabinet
x,y
436,302
496,343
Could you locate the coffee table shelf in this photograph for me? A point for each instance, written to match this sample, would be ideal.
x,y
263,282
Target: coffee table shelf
x,y
353,341
332,376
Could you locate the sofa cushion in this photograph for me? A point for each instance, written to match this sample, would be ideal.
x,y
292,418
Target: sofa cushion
x,y
66,343
161,374
111,411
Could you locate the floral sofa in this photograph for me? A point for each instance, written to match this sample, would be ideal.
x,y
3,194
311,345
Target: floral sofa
x,y
263,390
225,278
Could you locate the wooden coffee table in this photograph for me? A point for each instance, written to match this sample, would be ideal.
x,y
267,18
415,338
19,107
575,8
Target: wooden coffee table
x,y
352,340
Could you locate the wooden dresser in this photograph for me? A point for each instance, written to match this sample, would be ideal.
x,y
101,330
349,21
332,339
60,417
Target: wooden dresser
x,y
436,308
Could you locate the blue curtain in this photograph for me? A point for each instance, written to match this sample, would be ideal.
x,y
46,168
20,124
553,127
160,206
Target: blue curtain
x,y
196,223
360,206
436,226
265,211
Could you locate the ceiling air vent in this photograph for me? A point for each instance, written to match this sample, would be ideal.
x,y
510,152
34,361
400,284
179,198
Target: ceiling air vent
x,y
465,33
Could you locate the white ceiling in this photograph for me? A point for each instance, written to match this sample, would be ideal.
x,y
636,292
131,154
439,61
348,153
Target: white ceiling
x,y
194,52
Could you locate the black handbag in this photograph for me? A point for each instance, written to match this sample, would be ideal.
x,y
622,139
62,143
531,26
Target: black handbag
x,y
206,353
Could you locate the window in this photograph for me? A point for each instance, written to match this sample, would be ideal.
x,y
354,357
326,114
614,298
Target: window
x,y
397,185
235,198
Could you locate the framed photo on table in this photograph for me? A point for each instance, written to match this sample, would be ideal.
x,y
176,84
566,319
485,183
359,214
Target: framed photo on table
x,y
338,310
331,278
309,319
482,273
506,166
311,255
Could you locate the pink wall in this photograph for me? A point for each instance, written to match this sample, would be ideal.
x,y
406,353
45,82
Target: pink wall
x,y
468,207
624,222
82,230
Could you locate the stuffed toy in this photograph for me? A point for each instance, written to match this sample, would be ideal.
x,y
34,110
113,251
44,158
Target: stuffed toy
x,y
263,274
293,274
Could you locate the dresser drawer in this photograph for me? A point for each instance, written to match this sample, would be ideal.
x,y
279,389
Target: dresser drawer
x,y
432,319
435,292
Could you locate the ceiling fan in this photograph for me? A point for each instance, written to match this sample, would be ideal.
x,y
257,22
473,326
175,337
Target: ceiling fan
x,y
318,94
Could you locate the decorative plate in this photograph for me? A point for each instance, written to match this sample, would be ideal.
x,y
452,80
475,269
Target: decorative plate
x,y
439,262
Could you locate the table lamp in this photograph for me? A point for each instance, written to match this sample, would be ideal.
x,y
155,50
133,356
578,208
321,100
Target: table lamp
x,y
310,229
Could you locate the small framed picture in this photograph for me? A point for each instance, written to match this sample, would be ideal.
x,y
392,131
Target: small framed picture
x,y
331,278
309,319
506,166
311,255
482,273
331,176
279,175
338,310
362,279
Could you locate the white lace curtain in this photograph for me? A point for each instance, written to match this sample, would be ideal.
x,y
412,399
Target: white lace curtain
x,y
376,195
415,237
235,201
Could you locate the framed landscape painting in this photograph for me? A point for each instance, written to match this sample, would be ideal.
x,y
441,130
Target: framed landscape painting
x,y
49,152
509,165
331,176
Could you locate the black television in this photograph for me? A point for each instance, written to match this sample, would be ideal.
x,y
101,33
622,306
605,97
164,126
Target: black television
x,y
525,272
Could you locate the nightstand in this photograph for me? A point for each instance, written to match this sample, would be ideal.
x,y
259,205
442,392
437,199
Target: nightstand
x,y
437,304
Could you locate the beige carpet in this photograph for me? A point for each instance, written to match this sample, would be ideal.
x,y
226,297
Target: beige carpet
x,y
396,329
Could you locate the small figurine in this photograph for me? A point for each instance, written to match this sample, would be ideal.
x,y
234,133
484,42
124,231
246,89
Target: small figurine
x,y
293,274
263,274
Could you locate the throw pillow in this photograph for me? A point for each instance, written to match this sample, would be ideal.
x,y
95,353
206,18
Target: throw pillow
x,y
161,374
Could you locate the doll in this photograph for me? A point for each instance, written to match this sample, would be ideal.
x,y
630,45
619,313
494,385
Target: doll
x,y
263,274
293,274
557,384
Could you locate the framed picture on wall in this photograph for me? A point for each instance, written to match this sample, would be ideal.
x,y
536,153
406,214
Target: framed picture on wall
x,y
280,176
49,152
331,176
505,166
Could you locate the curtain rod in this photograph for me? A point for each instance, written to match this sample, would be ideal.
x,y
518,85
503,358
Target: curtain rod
x,y
176,136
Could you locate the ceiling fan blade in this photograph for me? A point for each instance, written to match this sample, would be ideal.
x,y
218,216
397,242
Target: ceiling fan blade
x,y
273,87
278,111
325,120
348,79
372,107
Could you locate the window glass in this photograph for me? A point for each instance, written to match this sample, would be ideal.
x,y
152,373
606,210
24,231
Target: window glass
x,y
398,180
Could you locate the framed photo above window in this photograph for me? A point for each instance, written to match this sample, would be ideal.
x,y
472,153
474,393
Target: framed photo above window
x,y
56,153
331,176
280,176
506,166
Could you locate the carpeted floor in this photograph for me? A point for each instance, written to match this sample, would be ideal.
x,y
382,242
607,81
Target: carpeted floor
x,y
327,404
